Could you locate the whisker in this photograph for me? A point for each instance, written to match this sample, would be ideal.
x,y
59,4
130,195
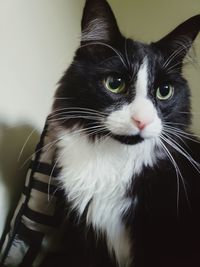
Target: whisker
x,y
86,134
181,135
110,47
176,123
80,108
176,53
177,135
51,176
103,138
181,131
173,67
25,143
183,152
85,130
65,118
178,172
76,112
50,145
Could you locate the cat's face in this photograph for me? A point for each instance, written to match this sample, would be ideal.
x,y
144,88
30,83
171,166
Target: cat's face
x,y
121,88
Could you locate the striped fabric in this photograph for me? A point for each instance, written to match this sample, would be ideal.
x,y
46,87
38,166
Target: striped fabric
x,y
40,211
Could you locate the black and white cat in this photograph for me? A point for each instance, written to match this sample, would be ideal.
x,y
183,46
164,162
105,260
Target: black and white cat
x,y
129,167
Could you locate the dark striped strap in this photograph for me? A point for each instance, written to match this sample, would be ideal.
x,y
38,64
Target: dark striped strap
x,y
39,211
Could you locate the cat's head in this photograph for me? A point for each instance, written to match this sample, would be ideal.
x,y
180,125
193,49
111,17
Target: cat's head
x,y
122,88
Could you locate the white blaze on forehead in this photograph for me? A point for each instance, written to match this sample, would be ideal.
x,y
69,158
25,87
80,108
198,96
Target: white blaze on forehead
x,y
142,107
141,85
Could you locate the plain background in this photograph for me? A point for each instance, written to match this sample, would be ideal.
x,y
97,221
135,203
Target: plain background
x,y
37,42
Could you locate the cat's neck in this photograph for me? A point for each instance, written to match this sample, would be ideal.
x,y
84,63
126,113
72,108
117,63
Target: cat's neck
x,y
103,162
82,148
96,176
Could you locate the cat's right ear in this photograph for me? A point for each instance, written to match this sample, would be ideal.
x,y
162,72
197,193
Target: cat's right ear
x,y
99,23
177,43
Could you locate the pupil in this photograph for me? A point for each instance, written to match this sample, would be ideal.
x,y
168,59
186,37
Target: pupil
x,y
115,83
164,90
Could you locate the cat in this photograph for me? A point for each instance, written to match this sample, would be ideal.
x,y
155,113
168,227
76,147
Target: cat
x,y
129,165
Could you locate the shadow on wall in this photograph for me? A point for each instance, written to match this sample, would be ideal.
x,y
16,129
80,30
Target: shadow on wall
x,y
12,171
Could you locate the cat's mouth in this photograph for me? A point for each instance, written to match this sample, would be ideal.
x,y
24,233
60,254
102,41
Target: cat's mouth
x,y
129,139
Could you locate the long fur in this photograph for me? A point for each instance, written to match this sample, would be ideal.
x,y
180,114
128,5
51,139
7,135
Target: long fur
x,y
129,188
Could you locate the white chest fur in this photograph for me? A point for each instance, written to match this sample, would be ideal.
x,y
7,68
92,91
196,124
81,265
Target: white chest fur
x,y
100,173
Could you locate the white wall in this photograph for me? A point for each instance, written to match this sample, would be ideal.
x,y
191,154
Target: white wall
x,y
37,41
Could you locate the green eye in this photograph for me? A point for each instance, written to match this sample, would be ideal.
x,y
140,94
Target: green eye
x,y
165,92
115,84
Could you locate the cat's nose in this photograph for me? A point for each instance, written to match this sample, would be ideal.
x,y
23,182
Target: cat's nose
x,y
141,123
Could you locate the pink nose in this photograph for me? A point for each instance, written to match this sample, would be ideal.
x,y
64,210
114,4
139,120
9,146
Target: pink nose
x,y
140,124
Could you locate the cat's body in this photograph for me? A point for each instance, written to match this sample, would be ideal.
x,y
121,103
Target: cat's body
x,y
159,233
120,116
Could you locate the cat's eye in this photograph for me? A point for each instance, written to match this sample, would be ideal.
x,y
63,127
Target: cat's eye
x,y
165,92
115,84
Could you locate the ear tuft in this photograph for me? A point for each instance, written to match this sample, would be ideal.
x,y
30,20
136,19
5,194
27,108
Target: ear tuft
x,y
96,30
98,22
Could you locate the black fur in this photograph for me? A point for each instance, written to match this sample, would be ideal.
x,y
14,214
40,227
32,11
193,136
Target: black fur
x,y
162,233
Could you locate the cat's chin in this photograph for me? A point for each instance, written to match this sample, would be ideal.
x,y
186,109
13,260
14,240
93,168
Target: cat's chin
x,y
128,140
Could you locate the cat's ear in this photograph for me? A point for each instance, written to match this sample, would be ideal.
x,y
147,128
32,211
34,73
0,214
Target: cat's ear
x,y
178,42
99,22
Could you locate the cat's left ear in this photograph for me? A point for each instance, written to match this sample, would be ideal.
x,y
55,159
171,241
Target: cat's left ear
x,y
178,42
99,23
